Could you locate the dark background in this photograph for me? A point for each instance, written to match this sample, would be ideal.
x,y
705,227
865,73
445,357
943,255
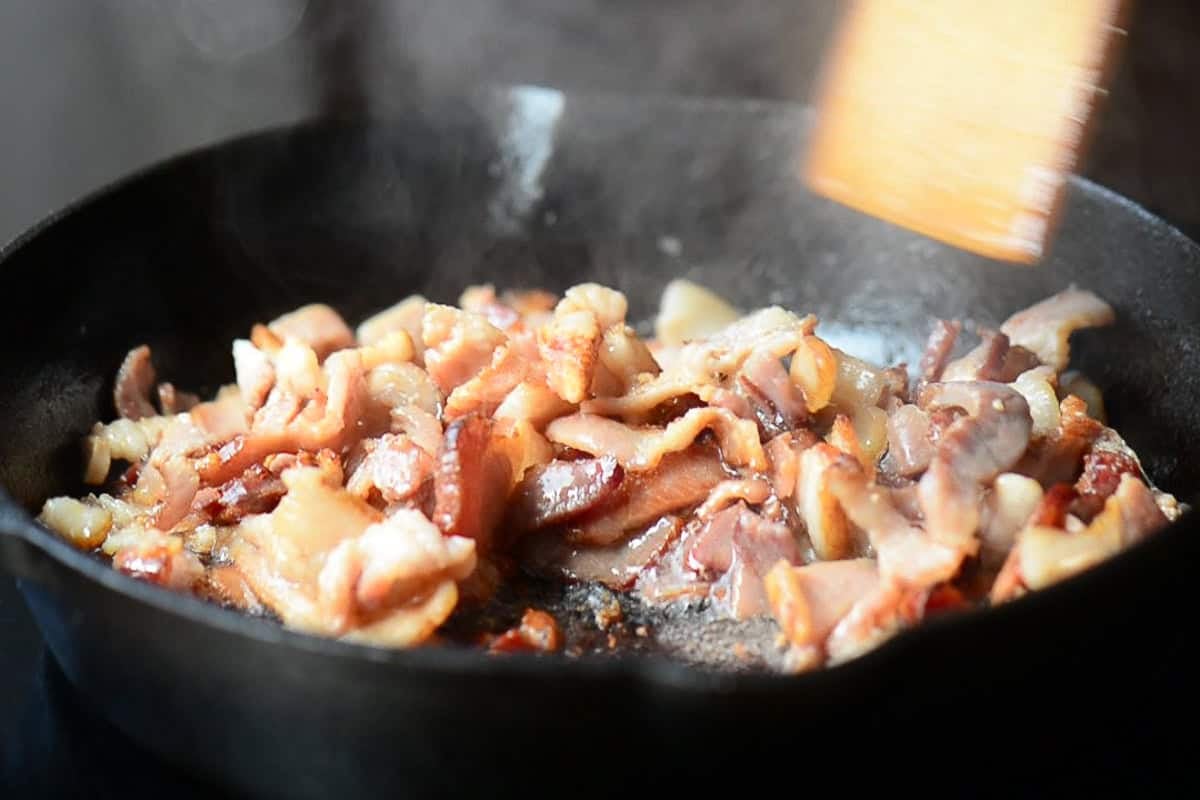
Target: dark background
x,y
94,88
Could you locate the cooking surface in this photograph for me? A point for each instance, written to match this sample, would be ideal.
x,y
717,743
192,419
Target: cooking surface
x,y
112,99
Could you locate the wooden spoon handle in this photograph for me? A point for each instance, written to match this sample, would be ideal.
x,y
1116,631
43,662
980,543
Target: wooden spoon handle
x,y
961,120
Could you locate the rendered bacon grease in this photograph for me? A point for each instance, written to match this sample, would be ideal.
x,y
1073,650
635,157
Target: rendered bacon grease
x,y
366,484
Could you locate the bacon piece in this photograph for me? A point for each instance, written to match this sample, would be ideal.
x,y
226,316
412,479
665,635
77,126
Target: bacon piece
x,y
814,371
823,517
135,379
287,424
180,485
608,305
907,555
753,491
317,326
484,393
537,632
391,386
471,482
741,547
173,401
328,563
223,418
393,468
1106,461
783,454
1057,457
808,601
458,345
1037,386
973,451
877,616
994,359
256,491
681,480
391,561
688,311
563,490
570,346
768,379
909,446
616,565
938,348
703,365
408,315
255,373
161,560
1006,510
482,300
1046,327
642,449
625,357
532,400
1046,555
1051,511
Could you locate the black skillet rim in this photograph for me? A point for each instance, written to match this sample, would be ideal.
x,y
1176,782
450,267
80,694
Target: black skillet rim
x,y
653,671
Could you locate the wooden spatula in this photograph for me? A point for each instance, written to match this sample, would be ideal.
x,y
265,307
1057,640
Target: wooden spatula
x,y
961,119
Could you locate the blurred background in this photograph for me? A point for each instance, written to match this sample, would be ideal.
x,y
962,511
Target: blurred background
x,y
94,88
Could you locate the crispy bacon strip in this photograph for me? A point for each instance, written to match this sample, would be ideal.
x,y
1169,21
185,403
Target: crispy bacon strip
x,y
642,449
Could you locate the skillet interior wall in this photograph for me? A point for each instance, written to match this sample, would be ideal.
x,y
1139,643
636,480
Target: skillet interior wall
x,y
191,256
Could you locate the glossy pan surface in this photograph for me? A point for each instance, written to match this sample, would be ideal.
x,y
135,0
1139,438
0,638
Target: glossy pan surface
x,y
532,188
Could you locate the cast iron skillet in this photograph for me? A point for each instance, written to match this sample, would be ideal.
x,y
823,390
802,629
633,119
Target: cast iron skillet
x,y
528,187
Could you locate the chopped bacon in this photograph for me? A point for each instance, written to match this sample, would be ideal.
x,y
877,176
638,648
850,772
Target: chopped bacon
x,y
754,491
642,449
318,326
537,632
173,401
471,481
135,379
484,393
363,484
1046,555
1052,510
616,565
681,480
938,348
287,424
458,345
608,305
808,601
1057,457
570,347
534,401
482,300
160,560
994,359
756,546
180,485
767,380
327,562
910,448
1103,466
702,365
255,491
818,506
973,451
1046,327
563,490
625,357
392,467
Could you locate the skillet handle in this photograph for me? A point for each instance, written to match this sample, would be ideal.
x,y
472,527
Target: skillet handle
x,y
20,557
